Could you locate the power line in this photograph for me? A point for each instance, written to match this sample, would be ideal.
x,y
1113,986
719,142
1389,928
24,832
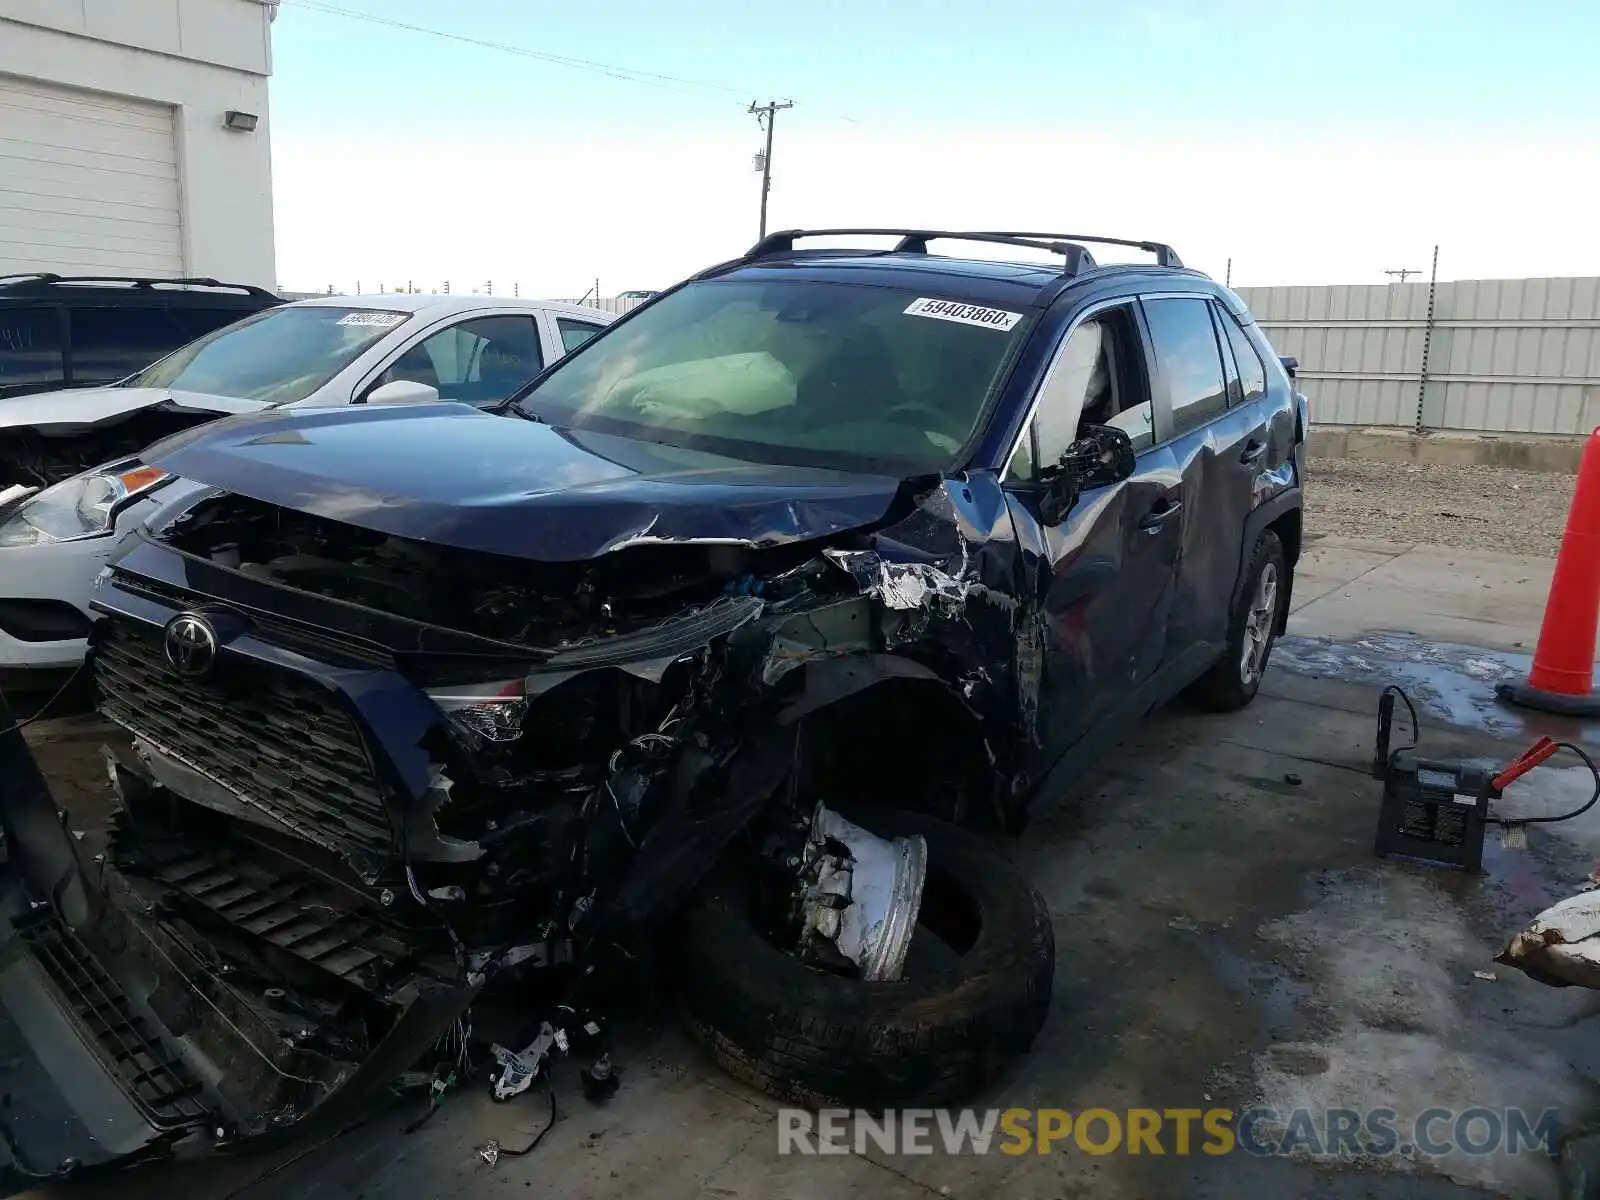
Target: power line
x,y
628,74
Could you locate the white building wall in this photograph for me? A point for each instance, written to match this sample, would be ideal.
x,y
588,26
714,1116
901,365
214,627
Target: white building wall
x,y
203,58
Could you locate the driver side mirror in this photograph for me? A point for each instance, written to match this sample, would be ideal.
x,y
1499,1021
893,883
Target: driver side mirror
x,y
1102,455
403,391
1291,365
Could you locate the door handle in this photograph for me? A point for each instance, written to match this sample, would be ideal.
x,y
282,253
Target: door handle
x,y
1158,516
1253,450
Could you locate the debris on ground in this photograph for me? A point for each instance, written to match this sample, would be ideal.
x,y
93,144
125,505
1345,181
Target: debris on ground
x,y
599,1082
1561,946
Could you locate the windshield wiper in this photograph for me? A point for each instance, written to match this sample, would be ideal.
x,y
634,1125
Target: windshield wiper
x,y
526,414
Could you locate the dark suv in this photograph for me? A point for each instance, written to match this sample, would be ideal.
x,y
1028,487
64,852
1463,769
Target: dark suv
x,y
81,331
417,692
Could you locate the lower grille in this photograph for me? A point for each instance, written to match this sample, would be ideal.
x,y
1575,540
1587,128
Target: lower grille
x,y
290,911
281,743
159,1081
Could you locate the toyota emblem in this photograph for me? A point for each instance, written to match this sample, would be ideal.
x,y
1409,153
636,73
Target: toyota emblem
x,y
190,644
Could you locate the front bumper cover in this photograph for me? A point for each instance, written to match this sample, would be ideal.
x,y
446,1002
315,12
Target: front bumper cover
x,y
118,1041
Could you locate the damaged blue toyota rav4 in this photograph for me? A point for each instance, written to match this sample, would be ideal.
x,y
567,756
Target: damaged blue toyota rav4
x,y
735,643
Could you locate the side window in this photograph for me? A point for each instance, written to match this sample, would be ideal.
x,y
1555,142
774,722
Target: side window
x,y
109,343
1095,380
1187,353
196,322
481,361
1252,372
30,347
575,333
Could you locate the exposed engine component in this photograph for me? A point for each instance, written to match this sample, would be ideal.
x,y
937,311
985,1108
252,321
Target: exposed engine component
x,y
29,458
860,896
546,605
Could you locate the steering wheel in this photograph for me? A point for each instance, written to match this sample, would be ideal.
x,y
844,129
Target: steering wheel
x,y
916,406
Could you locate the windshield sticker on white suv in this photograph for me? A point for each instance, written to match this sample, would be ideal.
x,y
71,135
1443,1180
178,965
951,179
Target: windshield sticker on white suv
x,y
382,320
965,314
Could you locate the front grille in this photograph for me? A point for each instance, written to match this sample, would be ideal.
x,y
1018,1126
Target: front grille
x,y
158,1080
281,743
322,644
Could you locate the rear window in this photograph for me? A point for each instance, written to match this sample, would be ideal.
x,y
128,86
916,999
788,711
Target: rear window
x,y
815,373
108,343
197,322
30,347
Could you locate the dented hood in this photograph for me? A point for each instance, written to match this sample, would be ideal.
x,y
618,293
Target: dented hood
x,y
77,409
450,474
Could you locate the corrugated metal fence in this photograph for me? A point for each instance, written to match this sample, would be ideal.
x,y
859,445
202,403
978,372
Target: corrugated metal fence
x,y
1502,355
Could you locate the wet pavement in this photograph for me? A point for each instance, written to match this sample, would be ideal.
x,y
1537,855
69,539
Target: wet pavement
x,y
1226,939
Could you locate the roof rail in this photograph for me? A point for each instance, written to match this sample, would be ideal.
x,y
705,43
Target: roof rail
x,y
1166,256
50,279
915,241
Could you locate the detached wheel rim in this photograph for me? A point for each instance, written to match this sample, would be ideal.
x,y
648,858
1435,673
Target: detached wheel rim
x,y
1258,624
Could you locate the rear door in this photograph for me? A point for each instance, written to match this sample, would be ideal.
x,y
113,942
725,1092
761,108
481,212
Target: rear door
x,y
1102,576
1219,442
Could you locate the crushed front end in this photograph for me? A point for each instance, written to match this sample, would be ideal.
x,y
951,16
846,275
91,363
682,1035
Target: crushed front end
x,y
365,777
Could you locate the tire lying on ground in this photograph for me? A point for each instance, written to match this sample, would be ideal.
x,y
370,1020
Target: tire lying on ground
x,y
946,1029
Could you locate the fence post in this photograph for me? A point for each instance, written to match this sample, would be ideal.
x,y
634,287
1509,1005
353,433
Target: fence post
x,y
1427,337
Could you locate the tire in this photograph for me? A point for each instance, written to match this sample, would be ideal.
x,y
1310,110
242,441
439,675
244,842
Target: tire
x,y
934,1037
1228,686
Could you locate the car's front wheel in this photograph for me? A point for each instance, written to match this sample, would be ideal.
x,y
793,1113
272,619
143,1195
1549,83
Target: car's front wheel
x,y
1232,682
973,994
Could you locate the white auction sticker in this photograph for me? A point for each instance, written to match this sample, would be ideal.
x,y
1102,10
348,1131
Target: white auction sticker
x,y
382,320
965,314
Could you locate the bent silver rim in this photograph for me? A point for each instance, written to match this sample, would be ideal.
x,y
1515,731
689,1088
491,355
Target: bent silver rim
x,y
1258,625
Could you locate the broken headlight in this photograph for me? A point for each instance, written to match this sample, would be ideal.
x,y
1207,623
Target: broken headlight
x,y
493,712
84,506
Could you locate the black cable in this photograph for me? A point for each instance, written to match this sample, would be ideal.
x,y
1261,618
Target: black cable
x,y
550,1083
48,704
1590,803
1416,726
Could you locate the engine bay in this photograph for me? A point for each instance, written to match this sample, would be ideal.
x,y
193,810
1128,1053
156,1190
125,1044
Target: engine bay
x,y
543,605
33,459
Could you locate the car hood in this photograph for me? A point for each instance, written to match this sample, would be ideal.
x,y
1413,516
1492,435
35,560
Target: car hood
x,y
449,474
84,408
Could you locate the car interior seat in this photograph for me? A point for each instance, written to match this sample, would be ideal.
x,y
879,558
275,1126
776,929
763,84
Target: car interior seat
x,y
415,366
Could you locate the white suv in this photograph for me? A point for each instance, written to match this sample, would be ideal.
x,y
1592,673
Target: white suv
x,y
385,349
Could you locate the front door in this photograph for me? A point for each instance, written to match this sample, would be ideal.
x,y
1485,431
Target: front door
x,y
1102,578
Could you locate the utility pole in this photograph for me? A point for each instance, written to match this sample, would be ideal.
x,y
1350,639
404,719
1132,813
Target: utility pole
x,y
1403,272
767,116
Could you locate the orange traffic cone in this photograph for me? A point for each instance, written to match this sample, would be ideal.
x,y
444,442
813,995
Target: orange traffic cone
x,y
1562,678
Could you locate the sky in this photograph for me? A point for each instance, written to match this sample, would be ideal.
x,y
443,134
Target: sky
x,y
1269,141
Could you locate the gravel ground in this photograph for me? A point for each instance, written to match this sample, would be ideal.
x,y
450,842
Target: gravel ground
x,y
1475,508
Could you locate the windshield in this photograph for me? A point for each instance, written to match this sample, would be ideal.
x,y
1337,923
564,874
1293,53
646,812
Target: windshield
x,y
277,356
829,374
